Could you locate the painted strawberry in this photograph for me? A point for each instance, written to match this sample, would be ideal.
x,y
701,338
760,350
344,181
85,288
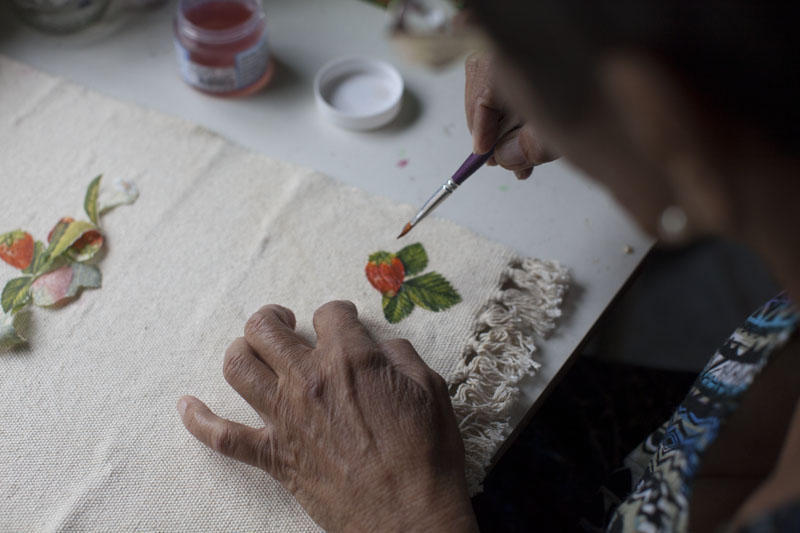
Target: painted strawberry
x,y
91,240
16,249
385,272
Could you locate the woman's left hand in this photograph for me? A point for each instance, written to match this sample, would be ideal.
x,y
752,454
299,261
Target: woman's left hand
x,y
361,433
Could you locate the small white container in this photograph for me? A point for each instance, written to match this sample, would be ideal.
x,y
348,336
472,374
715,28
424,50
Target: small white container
x,y
358,93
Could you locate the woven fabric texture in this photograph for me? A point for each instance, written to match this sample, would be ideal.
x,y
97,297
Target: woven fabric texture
x,y
90,436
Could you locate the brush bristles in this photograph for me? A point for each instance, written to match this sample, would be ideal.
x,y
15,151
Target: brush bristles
x,y
405,230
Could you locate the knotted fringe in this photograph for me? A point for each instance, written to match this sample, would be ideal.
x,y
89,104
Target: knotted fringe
x,y
527,303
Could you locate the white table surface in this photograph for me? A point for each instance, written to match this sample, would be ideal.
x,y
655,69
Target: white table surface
x,y
556,214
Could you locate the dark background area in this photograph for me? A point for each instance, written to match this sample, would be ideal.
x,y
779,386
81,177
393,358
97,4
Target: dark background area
x,y
636,368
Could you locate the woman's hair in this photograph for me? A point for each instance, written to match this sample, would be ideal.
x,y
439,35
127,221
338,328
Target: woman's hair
x,y
739,58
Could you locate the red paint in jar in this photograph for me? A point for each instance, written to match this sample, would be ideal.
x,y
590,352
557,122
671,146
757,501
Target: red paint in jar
x,y
222,46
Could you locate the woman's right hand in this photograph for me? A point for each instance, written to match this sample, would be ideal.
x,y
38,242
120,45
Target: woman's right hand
x,y
518,151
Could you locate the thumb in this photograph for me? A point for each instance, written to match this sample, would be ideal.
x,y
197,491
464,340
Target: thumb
x,y
522,149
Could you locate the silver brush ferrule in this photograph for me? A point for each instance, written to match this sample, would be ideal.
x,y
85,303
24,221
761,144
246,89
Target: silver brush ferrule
x,y
433,202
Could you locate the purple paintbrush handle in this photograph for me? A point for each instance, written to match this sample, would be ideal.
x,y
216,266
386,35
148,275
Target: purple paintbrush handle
x,y
468,168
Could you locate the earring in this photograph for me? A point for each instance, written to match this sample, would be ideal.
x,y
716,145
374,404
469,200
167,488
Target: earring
x,y
672,225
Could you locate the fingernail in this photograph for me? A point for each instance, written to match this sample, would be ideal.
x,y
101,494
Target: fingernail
x,y
510,154
182,403
523,174
286,316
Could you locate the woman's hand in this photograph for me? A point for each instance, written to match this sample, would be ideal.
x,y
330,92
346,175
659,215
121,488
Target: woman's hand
x,y
362,434
518,151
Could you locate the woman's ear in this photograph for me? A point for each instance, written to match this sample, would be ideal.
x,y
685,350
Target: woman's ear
x,y
671,131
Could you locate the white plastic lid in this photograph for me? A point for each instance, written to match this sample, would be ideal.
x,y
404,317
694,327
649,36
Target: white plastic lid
x,y
358,93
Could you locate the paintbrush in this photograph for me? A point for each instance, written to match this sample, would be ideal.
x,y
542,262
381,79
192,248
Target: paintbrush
x,y
467,169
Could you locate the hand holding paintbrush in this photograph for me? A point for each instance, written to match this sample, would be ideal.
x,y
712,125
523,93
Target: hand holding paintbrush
x,y
467,169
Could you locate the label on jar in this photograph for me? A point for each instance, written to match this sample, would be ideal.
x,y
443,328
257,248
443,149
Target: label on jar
x,y
247,69
252,63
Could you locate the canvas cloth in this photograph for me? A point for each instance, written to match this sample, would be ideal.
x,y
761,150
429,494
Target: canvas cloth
x,y
89,435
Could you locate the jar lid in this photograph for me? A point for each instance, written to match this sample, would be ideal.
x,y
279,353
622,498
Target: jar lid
x,y
358,93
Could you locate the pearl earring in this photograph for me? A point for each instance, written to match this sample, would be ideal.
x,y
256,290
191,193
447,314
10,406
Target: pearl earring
x,y
672,224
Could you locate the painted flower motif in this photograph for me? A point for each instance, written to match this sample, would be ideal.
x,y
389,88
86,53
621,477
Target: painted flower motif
x,y
388,272
57,271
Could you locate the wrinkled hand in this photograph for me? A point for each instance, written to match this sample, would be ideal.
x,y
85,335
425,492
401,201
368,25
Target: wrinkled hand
x,y
518,151
362,434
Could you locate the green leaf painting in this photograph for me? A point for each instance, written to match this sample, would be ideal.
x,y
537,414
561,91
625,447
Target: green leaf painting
x,y
414,258
8,334
16,293
38,255
90,201
56,272
387,273
397,307
432,292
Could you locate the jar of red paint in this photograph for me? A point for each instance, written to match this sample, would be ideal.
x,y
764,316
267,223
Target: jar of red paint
x,y
222,46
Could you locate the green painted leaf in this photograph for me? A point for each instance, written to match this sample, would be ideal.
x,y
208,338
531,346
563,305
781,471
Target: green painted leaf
x,y
90,201
48,262
58,230
16,293
8,335
431,291
397,307
414,258
38,254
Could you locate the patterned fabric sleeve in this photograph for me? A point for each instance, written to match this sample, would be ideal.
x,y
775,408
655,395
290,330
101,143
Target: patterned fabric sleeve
x,y
660,499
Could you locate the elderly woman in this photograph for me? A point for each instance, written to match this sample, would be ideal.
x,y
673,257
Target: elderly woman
x,y
686,111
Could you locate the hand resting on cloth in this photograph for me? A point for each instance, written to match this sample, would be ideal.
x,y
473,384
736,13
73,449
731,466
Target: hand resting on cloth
x,y
363,434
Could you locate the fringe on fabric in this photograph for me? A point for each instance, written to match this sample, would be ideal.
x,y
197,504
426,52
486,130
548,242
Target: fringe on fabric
x,y
498,355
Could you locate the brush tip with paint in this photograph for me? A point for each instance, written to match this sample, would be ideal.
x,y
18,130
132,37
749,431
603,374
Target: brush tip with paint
x,y
406,229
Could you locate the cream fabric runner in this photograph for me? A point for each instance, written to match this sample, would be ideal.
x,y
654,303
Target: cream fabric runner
x,y
89,434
